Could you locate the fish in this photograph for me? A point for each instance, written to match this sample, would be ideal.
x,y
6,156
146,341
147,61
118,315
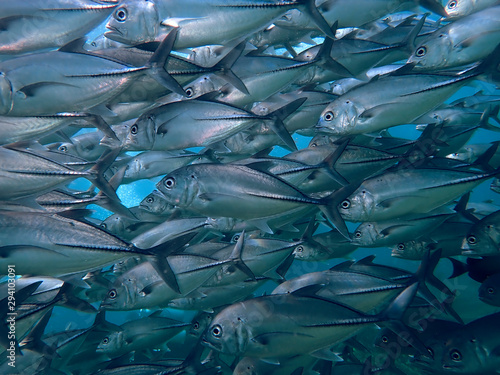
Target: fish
x,y
488,291
200,187
416,191
36,25
482,239
73,81
194,123
149,332
459,8
461,42
261,326
221,22
367,108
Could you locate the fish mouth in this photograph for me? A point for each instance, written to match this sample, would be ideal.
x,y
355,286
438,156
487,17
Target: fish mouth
x,y
211,345
112,32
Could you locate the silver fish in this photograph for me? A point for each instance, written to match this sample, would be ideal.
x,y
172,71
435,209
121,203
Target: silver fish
x,y
237,191
460,8
461,42
389,101
72,81
150,332
408,191
38,25
200,22
288,324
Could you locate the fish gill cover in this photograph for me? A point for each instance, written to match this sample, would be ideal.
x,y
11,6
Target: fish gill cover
x,y
249,187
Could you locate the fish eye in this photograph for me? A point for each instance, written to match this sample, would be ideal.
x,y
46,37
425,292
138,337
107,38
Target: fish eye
x,y
121,14
134,129
328,116
455,355
63,148
421,51
235,238
491,290
452,4
112,294
357,234
472,240
431,352
217,331
169,183
345,204
196,325
299,248
150,200
189,92
401,246
385,339
104,226
105,340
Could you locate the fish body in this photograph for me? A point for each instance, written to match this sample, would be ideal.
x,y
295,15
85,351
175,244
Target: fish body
x,y
411,191
142,287
282,325
388,101
148,332
200,22
461,42
38,25
72,81
60,245
222,190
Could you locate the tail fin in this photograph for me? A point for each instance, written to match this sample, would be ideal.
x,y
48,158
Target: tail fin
x,y
223,68
394,314
235,257
317,17
329,207
157,64
279,115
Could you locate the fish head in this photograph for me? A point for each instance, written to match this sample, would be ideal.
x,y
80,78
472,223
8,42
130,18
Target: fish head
x,y
6,100
461,354
180,187
133,22
155,203
203,85
292,19
366,234
227,332
478,242
111,343
458,8
142,134
409,250
119,297
489,291
432,53
311,251
339,117
115,224
200,323
359,206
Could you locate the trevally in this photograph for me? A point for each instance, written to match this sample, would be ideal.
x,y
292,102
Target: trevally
x,y
58,81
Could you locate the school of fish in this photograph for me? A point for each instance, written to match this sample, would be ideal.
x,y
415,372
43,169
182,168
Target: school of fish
x,y
315,182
